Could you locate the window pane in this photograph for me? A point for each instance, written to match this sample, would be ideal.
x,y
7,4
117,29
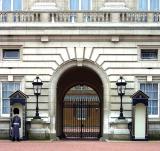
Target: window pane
x,y
17,5
11,54
6,5
5,108
85,4
7,90
154,5
149,54
74,4
152,91
142,87
143,5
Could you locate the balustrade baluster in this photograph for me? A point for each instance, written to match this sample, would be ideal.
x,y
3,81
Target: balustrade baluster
x,y
92,16
98,17
102,17
0,17
105,17
57,17
25,17
131,17
65,17
52,17
158,17
155,17
126,17
15,15
121,17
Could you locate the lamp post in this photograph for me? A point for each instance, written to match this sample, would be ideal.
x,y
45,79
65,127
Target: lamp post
x,y
121,86
37,86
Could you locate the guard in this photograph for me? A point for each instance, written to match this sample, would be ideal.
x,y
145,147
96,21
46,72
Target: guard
x,y
16,124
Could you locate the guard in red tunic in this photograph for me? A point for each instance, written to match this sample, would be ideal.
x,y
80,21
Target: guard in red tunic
x,y
16,124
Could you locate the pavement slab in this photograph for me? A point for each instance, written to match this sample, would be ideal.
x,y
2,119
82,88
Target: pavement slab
x,y
79,146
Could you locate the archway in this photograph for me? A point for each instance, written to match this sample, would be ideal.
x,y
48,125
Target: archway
x,y
72,77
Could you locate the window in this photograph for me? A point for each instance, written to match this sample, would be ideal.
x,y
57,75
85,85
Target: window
x,y
7,89
80,5
11,54
149,5
151,89
11,5
149,54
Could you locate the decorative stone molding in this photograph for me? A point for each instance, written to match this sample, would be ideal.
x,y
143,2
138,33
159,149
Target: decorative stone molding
x,y
44,6
114,6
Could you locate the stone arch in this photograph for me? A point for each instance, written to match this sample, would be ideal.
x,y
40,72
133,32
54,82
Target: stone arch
x,y
53,97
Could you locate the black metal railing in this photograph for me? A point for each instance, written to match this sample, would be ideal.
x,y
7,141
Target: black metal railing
x,y
81,117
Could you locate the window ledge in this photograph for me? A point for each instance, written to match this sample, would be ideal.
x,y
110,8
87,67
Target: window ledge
x,y
154,121
4,119
11,59
148,59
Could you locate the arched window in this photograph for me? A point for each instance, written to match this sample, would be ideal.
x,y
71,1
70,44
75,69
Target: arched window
x,y
149,5
11,5
80,5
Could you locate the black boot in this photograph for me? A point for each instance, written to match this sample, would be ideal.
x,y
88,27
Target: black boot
x,y
13,139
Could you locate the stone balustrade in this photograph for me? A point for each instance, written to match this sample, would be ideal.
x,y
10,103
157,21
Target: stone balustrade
x,y
80,17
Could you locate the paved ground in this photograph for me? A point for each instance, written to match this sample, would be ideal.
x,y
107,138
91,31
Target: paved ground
x,y
78,146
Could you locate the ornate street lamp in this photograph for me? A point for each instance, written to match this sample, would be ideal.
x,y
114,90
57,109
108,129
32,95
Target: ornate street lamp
x,y
37,86
121,86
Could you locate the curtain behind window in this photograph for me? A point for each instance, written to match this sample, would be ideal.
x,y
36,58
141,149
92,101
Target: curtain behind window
x,y
17,5
74,4
7,89
85,4
6,5
143,5
154,4
151,89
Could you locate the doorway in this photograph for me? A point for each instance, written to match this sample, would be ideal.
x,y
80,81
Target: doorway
x,y
79,104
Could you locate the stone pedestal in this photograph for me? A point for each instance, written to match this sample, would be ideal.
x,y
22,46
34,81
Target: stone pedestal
x,y
119,130
38,130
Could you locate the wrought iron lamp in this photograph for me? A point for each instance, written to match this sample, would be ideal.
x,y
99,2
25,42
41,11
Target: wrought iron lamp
x,y
121,86
37,86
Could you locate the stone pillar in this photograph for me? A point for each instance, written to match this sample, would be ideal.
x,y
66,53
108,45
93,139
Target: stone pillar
x,y
45,17
115,17
9,17
150,16
79,17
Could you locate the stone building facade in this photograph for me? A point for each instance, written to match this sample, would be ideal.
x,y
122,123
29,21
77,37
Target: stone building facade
x,y
55,39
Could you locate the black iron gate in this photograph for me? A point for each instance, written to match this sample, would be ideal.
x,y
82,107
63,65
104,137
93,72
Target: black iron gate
x,y
81,117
